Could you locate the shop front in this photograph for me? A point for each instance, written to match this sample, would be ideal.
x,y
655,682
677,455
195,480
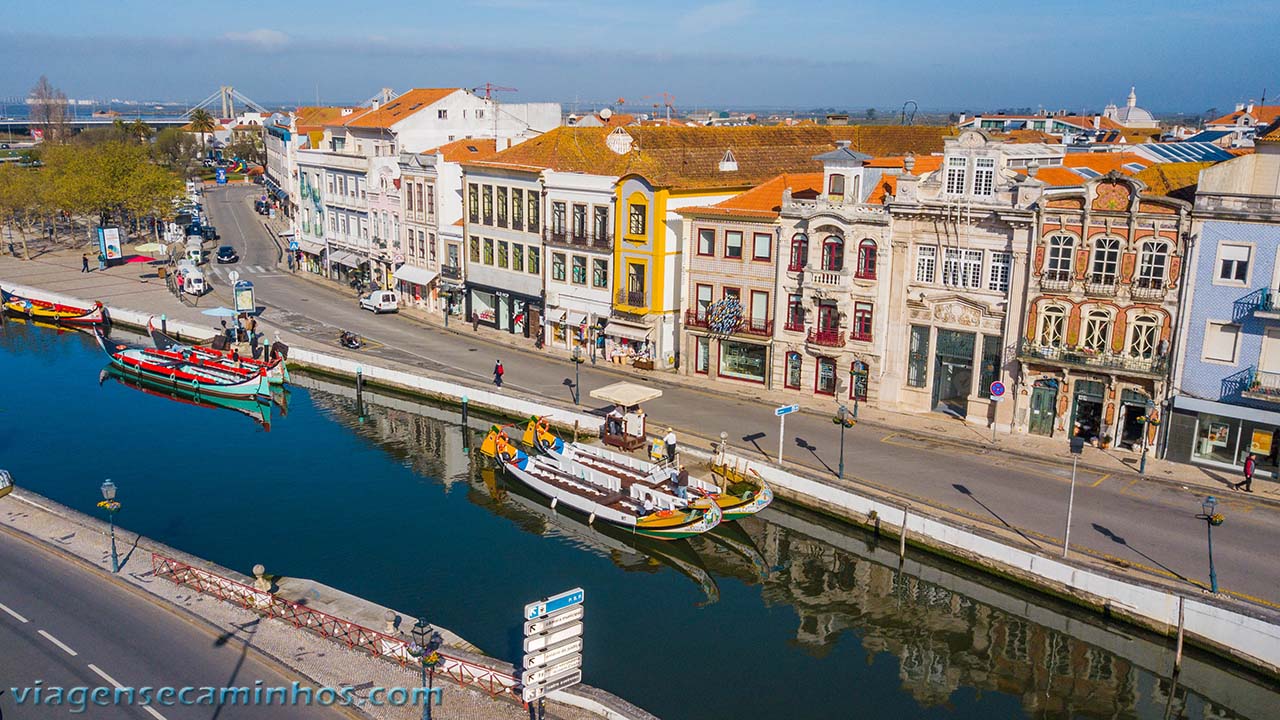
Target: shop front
x,y
629,342
744,361
347,267
310,257
503,310
415,284
1205,432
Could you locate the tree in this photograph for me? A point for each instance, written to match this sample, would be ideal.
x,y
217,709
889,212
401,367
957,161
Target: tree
x,y
17,200
247,148
175,149
203,123
141,131
49,111
871,113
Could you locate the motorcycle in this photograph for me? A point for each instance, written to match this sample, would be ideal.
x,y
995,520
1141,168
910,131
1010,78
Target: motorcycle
x,y
350,340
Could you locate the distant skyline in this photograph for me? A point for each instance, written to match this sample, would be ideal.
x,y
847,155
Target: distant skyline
x,y
1186,56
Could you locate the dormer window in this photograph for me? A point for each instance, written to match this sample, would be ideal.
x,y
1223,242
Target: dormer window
x,y
728,163
984,176
835,187
956,167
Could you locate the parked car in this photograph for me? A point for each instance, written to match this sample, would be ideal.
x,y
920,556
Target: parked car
x,y
227,254
380,301
209,232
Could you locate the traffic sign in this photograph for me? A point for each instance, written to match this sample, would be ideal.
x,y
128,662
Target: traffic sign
x,y
559,667
293,245
569,598
233,276
221,174
785,410
547,639
997,389
540,690
553,653
554,620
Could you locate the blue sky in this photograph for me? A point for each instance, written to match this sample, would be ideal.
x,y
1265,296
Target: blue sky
x,y
1183,55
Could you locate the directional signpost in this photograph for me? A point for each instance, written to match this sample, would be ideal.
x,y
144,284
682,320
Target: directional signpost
x,y
552,646
997,394
782,414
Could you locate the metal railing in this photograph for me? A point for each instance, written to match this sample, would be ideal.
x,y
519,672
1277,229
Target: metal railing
x,y
1056,280
451,272
1100,285
694,318
354,636
601,241
1147,289
1091,359
794,325
1263,385
748,326
632,298
826,338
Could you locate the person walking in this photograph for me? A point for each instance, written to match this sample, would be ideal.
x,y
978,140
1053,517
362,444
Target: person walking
x,y
84,262
498,372
181,280
670,441
1250,464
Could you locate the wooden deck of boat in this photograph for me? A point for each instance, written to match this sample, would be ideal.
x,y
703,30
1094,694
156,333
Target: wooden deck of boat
x,y
618,500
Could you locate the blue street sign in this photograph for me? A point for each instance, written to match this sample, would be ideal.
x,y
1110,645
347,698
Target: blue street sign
x,y
293,244
786,410
997,389
555,603
221,174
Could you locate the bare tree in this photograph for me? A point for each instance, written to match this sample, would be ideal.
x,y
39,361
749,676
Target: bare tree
x,y
49,111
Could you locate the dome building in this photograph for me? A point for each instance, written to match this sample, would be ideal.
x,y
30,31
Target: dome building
x,y
1130,115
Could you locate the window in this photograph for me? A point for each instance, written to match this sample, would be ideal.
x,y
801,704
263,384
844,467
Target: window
x,y
951,267
862,321
1106,261
926,263
759,310
636,219
702,351
998,275
733,244
1097,331
488,251
1152,262
557,218
799,252
703,295
1053,325
825,382
473,202
984,176
990,364
1220,340
835,186
557,266
599,273
1061,257
733,292
579,270
833,253
1233,263
761,246
600,223
517,257
442,114
795,366
859,380
795,312
502,207
867,259
706,241
580,221
1143,336
486,203
956,175
473,249
535,255
517,208
918,356
408,196
971,269
533,212
431,198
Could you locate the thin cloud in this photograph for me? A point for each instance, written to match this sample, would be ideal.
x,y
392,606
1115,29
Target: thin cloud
x,y
262,38
715,16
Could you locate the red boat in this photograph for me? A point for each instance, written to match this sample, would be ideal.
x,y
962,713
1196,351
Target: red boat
x,y
277,371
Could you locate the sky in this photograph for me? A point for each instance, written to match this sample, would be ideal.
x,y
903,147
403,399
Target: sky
x,y
1183,55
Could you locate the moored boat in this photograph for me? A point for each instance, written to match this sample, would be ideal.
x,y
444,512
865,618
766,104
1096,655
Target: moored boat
x,y
252,407
276,367
636,507
36,309
182,375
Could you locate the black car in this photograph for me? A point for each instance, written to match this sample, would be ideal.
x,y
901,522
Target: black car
x,y
209,232
227,254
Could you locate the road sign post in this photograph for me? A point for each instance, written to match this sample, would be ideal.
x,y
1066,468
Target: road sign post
x,y
782,413
552,646
997,394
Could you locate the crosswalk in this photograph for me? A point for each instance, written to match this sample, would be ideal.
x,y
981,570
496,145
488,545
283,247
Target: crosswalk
x,y
220,271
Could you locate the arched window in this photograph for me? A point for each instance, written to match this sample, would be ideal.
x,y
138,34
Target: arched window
x,y
1053,323
1144,336
1061,254
1097,331
1106,261
833,253
799,252
794,365
835,186
867,259
859,379
1152,264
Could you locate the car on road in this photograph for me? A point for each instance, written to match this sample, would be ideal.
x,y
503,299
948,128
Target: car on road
x,y
380,301
209,232
227,254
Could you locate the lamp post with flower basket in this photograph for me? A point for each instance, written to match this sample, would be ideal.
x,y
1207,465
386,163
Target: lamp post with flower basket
x,y
111,506
1211,519
425,648
845,420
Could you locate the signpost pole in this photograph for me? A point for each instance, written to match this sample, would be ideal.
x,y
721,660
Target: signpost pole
x,y
1077,447
782,430
997,394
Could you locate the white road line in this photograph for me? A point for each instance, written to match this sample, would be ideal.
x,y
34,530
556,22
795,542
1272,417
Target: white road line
x,y
15,615
116,684
59,643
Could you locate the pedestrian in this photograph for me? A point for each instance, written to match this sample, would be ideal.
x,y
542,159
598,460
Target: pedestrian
x,y
475,322
497,374
670,441
84,262
682,483
180,283
1250,464
102,261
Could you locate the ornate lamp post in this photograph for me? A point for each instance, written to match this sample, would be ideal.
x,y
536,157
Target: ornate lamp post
x,y
846,420
111,506
1154,421
577,360
425,649
1211,520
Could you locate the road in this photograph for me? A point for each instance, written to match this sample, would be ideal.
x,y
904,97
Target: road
x,y
68,626
1146,524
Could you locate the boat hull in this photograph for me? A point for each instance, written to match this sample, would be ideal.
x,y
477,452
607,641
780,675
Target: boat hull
x,y
182,376
277,369
52,312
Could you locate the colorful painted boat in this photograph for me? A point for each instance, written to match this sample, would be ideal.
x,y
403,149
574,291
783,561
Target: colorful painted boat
x,y
277,369
635,507
252,407
742,497
35,309
183,376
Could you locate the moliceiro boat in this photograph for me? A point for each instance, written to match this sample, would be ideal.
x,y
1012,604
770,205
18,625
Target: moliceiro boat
x,y
744,492
179,374
53,312
277,369
636,507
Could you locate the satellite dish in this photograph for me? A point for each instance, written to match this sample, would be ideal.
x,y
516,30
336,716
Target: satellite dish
x,y
605,114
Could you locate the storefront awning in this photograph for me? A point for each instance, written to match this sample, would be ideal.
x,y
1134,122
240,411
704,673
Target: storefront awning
x,y
345,258
621,329
416,275
572,318
1190,404
310,248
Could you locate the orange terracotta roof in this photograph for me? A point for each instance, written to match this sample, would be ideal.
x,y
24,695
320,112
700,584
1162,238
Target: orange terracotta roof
x,y
1104,162
1026,136
1264,114
459,222
887,186
218,127
1059,177
390,113
314,117
763,201
1270,134
1175,179
466,149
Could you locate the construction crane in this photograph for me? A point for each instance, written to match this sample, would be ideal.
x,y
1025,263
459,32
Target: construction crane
x,y
667,102
489,88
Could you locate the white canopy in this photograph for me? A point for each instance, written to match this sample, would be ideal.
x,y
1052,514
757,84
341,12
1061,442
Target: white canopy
x,y
626,394
416,275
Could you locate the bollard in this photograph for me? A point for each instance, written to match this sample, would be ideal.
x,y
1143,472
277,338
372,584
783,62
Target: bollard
x,y
164,324
902,537
1177,655
466,432
575,431
360,391
390,617
260,581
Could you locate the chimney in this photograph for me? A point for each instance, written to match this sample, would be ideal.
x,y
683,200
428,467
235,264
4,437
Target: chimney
x,y
375,104
842,144
909,163
1239,107
1097,122
1249,108
963,117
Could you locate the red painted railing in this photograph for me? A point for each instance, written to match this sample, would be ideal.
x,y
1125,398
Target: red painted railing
x,y
827,338
334,628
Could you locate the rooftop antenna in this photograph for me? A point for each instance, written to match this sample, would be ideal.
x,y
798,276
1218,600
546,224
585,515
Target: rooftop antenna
x,y
489,89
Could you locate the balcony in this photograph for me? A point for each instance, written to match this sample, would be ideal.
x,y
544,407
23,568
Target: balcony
x,y
695,319
1099,285
1148,289
860,336
1268,306
817,279
451,272
747,326
596,241
631,299
1263,386
833,337
1078,357
794,325
1056,281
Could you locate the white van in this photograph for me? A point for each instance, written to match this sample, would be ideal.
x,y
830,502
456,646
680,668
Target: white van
x,y
380,301
193,281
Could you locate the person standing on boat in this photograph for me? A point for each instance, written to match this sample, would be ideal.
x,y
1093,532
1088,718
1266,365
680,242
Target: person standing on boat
x,y
682,483
670,441
498,372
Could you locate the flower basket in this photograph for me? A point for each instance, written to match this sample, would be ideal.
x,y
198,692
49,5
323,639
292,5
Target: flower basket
x,y
1217,519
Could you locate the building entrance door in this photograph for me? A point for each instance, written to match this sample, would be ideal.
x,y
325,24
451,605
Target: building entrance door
x,y
1133,405
1086,413
953,372
1044,408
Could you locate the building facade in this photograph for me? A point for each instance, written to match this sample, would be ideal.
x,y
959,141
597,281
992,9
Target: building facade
x,y
417,246
578,234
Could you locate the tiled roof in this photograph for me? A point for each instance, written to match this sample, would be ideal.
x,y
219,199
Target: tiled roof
x,y
1059,177
1170,178
1264,114
1026,136
1104,163
390,113
763,201
316,117
888,184
1269,134
465,150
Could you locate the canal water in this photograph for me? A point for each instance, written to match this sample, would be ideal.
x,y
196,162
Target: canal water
x,y
789,616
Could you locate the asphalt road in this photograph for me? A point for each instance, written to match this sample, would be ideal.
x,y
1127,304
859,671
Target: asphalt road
x,y
67,626
1146,524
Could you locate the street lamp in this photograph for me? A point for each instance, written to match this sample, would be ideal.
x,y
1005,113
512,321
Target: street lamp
x,y
1146,420
846,420
1211,519
577,360
111,506
425,649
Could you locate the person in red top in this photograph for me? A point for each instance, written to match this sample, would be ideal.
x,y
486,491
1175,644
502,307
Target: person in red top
x,y
498,372
1250,464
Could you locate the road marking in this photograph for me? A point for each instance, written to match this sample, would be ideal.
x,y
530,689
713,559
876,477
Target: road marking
x,y
105,676
59,643
1099,482
15,615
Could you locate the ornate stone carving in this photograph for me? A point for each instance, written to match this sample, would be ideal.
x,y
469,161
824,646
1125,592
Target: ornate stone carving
x,y
1113,196
954,313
